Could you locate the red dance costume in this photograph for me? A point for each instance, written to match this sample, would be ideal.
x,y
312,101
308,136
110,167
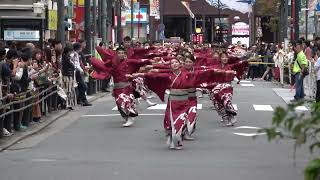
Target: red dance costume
x,y
178,106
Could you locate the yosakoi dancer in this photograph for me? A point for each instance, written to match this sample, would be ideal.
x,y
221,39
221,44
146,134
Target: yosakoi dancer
x,y
118,67
179,82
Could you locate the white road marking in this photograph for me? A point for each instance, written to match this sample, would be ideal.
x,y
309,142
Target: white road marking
x,y
244,81
249,134
164,106
111,115
247,127
301,108
158,107
262,107
115,108
247,85
235,107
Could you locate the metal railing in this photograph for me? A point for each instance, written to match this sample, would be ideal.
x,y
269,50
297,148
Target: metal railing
x,y
18,110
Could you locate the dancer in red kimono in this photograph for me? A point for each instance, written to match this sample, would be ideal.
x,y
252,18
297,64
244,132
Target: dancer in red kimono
x,y
192,97
221,93
179,82
118,67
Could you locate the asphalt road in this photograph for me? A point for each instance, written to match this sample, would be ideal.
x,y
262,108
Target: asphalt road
x,y
90,144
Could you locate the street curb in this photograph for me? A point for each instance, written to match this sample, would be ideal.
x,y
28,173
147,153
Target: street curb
x,y
45,124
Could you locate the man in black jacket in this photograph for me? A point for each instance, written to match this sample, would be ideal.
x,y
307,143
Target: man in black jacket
x,y
80,68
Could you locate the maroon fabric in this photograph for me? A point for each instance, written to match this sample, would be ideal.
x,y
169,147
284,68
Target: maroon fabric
x,y
152,80
99,65
100,75
106,54
139,86
277,73
161,66
125,102
192,115
221,96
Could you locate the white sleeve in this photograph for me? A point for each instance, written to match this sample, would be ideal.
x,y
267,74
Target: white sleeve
x,y
317,64
18,74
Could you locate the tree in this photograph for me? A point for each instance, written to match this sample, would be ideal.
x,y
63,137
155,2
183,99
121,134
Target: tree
x,y
303,128
270,9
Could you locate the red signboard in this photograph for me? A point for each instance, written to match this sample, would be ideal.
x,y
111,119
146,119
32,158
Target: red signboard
x,y
197,38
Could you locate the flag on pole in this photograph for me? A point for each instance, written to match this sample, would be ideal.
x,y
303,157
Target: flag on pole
x,y
187,6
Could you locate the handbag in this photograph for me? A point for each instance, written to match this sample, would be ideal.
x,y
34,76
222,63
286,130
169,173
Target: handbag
x,y
306,69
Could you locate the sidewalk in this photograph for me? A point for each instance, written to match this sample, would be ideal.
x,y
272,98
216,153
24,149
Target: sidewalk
x,y
287,95
7,142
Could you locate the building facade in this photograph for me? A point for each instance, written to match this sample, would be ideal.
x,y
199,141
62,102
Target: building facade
x,y
19,22
212,18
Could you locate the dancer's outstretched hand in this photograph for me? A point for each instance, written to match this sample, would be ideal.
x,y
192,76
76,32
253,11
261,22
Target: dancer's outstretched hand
x,y
129,76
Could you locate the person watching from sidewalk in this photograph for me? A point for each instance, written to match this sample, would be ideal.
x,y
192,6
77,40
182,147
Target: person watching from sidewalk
x,y
299,66
82,88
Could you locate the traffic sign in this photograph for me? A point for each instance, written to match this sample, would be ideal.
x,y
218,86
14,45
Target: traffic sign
x,y
161,27
162,36
318,7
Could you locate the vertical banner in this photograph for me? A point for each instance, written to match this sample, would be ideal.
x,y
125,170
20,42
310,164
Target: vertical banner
x,y
52,20
155,8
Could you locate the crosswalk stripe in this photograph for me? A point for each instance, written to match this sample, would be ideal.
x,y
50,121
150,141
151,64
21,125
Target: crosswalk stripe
x,y
245,81
262,107
235,107
247,85
301,108
158,107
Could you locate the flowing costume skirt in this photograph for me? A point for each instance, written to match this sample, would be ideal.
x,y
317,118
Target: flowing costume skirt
x,y
192,113
221,97
175,119
125,101
139,86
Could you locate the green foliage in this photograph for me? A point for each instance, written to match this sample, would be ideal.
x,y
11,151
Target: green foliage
x,y
303,128
269,9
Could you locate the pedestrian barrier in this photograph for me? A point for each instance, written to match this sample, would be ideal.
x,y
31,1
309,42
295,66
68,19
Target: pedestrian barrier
x,y
309,81
17,111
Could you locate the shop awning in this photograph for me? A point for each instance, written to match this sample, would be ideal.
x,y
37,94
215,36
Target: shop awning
x,y
18,14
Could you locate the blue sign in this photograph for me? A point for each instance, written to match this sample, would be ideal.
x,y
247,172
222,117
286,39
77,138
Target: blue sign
x,y
318,7
161,27
162,36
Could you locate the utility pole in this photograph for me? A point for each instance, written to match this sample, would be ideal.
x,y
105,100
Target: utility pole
x,y
132,9
307,18
204,27
94,14
281,23
61,30
99,19
297,9
220,24
104,20
161,11
285,19
118,7
95,34
87,25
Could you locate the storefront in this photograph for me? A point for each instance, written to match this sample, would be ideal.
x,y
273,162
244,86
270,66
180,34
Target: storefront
x,y
215,24
19,23
140,23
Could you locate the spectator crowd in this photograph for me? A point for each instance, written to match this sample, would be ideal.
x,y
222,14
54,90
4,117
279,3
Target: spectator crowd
x,y
27,70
